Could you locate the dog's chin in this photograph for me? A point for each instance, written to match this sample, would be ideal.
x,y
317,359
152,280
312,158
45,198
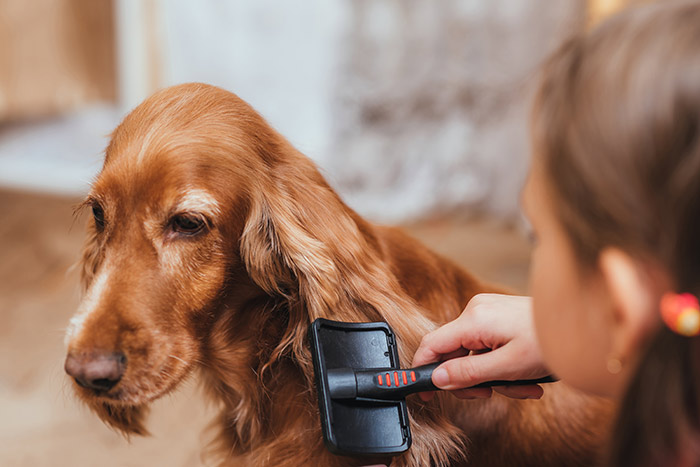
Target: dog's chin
x,y
127,419
115,410
123,408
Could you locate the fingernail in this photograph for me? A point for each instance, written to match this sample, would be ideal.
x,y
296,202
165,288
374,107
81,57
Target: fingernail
x,y
441,378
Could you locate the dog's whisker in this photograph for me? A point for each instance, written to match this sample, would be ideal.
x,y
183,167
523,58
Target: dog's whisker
x,y
178,359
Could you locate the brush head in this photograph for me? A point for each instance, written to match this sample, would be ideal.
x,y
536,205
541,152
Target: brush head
x,y
358,426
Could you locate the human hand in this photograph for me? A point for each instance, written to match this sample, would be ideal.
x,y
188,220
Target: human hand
x,y
493,339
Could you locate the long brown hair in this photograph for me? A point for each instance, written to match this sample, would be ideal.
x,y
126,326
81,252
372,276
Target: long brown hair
x,y
616,124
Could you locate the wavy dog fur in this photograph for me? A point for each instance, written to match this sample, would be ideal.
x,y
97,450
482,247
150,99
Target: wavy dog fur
x,y
277,248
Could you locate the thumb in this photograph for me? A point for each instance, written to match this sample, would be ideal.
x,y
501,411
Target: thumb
x,y
474,369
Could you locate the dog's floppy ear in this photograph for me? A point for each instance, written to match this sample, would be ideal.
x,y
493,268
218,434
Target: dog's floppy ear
x,y
297,235
296,244
303,244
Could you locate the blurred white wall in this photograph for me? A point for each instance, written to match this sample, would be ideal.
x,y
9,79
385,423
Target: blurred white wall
x,y
280,56
432,102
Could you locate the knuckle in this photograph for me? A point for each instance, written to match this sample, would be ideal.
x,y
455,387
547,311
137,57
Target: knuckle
x,y
479,305
476,300
479,313
484,298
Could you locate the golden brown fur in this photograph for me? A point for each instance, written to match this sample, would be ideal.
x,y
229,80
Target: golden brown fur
x,y
234,301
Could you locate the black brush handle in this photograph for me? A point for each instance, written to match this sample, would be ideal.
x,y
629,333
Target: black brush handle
x,y
395,384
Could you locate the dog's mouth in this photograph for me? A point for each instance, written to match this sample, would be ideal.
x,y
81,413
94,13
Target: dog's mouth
x,y
115,395
99,393
138,385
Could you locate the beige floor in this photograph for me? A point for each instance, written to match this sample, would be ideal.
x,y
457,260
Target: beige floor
x,y
41,424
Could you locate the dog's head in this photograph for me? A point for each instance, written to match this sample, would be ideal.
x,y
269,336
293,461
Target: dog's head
x,y
166,209
201,207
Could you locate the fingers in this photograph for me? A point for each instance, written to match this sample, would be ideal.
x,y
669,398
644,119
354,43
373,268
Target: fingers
x,y
514,392
456,354
459,374
447,340
471,370
521,392
480,326
493,339
442,341
474,393
426,396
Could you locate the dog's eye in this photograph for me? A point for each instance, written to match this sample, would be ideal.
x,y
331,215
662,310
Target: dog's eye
x,y
99,215
187,224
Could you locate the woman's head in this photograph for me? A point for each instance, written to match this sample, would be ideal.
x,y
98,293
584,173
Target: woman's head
x,y
614,192
616,128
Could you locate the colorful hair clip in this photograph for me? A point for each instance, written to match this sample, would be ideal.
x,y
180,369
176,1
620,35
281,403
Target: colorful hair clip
x,y
681,313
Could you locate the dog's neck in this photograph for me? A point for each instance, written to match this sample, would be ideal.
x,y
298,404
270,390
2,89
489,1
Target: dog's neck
x,y
243,376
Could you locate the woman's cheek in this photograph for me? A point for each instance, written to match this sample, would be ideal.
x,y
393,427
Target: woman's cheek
x,y
573,340
541,288
554,306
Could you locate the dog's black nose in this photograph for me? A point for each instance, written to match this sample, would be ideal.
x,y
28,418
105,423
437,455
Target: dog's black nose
x,y
100,371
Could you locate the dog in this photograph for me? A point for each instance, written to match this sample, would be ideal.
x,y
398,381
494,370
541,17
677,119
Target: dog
x,y
214,243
